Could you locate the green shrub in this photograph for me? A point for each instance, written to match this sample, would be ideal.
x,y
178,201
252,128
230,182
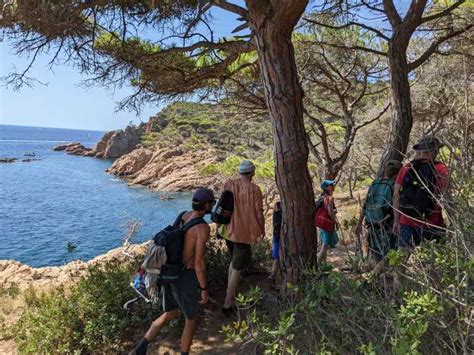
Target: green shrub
x,y
333,312
86,318
264,167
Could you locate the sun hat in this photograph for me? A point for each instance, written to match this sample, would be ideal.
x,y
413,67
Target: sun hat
x,y
428,144
203,195
246,167
327,183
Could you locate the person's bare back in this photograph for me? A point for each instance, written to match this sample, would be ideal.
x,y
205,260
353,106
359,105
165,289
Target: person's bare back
x,y
194,241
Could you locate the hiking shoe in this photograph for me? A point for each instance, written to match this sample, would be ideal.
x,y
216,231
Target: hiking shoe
x,y
232,310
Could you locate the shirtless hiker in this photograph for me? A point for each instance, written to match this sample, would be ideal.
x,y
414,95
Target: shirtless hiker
x,y
190,290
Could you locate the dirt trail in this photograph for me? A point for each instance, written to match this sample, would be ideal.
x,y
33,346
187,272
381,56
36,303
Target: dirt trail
x,y
208,338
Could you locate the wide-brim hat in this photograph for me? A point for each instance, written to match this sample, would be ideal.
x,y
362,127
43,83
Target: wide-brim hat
x,y
428,144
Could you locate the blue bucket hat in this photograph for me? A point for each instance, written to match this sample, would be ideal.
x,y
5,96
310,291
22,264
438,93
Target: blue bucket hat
x,y
327,183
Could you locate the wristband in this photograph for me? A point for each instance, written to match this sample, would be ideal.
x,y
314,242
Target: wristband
x,y
202,288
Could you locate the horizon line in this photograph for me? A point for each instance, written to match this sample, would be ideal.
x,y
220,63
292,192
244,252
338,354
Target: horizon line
x,y
72,129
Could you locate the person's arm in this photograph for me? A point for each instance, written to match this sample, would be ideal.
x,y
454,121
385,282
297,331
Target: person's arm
x,y
358,228
258,201
396,199
331,208
200,262
396,208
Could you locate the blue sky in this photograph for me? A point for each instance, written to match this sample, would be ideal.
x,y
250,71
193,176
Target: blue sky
x,y
63,102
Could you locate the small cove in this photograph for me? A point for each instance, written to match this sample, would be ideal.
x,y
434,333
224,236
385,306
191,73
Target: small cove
x,y
61,199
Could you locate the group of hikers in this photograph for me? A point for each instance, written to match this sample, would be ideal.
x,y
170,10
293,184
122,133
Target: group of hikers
x,y
401,209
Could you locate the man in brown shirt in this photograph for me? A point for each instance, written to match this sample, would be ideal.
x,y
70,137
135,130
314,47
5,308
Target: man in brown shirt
x,y
247,226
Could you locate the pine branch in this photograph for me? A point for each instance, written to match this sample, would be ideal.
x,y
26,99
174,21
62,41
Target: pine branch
x,y
349,24
434,46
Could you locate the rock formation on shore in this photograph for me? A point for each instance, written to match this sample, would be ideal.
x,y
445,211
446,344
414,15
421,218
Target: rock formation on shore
x,y
165,169
113,144
16,274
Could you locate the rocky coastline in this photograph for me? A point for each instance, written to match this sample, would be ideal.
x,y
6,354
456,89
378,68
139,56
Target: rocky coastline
x,y
113,144
165,169
160,168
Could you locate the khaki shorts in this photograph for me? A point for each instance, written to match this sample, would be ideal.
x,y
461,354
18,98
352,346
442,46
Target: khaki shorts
x,y
240,253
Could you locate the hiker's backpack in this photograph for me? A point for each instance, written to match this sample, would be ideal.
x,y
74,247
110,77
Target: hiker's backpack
x,y
322,219
377,207
222,214
418,186
163,262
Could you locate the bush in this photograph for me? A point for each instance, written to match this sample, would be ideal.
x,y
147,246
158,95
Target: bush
x,y
334,312
264,167
86,318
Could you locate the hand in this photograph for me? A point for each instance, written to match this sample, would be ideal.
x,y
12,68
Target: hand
x,y
204,297
396,229
260,239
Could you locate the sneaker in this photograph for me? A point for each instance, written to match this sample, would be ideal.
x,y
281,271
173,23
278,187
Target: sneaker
x,y
229,311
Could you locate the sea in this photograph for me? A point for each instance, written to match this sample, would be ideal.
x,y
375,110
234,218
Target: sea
x,y
61,208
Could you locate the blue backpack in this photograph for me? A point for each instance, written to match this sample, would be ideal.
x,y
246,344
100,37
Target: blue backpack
x,y
377,208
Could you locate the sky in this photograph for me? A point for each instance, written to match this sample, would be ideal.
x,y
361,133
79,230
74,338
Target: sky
x,y
63,102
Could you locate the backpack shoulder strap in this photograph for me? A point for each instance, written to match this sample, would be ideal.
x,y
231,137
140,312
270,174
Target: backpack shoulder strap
x,y
195,221
177,222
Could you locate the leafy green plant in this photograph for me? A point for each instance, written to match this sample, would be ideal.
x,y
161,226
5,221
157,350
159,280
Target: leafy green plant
x,y
84,319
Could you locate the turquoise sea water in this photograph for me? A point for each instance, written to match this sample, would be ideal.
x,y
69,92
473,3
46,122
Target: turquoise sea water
x,y
47,203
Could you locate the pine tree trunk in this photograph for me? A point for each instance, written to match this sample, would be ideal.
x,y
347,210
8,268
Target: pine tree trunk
x,y
402,118
272,23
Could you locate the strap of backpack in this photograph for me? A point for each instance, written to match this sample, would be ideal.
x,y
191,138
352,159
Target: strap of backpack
x,y
192,223
177,222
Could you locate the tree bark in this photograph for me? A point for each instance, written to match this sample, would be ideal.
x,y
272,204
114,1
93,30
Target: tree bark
x,y
272,22
402,118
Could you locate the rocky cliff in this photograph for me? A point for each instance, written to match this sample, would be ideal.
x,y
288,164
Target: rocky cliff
x,y
166,169
113,144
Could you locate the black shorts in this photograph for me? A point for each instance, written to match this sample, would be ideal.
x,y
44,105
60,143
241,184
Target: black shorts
x,y
183,294
240,253
381,240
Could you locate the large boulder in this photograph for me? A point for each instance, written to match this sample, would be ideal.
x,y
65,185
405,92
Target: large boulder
x,y
101,146
61,147
121,142
73,148
131,163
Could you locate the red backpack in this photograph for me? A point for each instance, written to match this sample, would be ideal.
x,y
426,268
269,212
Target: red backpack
x,y
322,219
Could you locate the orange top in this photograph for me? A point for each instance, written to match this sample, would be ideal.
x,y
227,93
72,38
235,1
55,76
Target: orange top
x,y
247,223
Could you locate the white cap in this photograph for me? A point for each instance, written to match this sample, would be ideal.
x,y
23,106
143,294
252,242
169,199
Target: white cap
x,y
246,167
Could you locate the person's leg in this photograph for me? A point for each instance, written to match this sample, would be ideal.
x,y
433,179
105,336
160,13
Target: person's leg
x,y
322,255
241,259
325,241
159,323
275,268
232,285
275,257
188,335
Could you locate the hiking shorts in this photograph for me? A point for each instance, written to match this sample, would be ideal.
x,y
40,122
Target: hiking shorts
x,y
411,236
240,253
183,294
328,239
275,248
380,239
